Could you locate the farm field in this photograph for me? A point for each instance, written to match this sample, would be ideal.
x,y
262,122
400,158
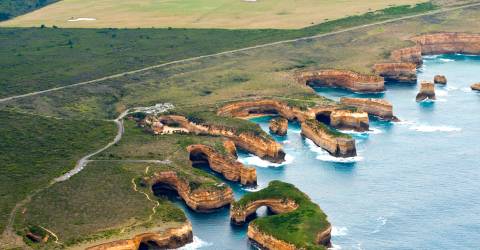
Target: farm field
x,y
232,14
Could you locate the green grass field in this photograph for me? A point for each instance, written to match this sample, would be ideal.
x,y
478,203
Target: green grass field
x,y
37,59
198,13
36,149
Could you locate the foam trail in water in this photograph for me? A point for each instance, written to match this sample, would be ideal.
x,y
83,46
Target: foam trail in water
x,y
323,155
441,93
335,247
257,161
196,244
339,231
446,60
429,128
372,131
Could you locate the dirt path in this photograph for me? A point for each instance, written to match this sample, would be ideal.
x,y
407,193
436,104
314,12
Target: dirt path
x,y
239,50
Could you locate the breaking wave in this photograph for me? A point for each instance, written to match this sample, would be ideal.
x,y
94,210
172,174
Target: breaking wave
x,y
196,244
259,162
446,60
339,231
323,155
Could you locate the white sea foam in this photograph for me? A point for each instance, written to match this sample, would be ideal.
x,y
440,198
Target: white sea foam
x,y
446,60
449,88
467,90
430,128
81,19
372,131
335,247
339,231
441,93
286,142
257,161
323,155
430,56
196,244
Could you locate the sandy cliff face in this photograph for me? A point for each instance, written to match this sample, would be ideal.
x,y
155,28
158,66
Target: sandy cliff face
x,y
262,147
397,71
342,79
278,126
376,107
200,200
264,106
448,43
335,145
427,91
224,164
408,55
475,86
349,120
169,239
238,215
266,241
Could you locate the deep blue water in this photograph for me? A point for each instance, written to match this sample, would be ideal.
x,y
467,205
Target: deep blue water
x,y
414,185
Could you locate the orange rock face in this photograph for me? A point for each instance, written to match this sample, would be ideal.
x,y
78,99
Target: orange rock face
x,y
475,86
278,126
439,79
397,71
238,215
224,164
376,107
409,55
448,43
266,241
342,79
335,145
345,119
200,200
169,239
427,91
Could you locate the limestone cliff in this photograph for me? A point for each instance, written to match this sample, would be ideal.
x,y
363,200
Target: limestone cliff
x,y
278,126
199,199
448,43
349,120
342,79
261,146
226,165
239,214
336,144
376,107
427,91
168,239
397,71
267,241
408,55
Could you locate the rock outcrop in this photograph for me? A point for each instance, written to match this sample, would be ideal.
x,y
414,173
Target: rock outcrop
x,y
337,144
259,145
168,239
427,91
230,148
198,199
397,71
226,165
475,86
342,79
239,215
408,55
439,79
376,107
448,43
278,126
292,209
349,120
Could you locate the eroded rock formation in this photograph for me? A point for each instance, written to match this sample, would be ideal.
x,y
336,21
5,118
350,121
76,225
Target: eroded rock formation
x,y
224,164
448,43
335,143
346,119
376,107
168,239
397,71
239,215
199,199
427,91
259,145
408,55
475,86
439,79
278,126
342,79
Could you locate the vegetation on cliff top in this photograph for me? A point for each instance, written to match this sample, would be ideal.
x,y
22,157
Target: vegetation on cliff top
x,y
321,127
35,149
299,227
86,54
99,202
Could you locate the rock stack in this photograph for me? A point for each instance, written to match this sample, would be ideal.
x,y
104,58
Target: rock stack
x,y
427,91
440,79
279,126
475,86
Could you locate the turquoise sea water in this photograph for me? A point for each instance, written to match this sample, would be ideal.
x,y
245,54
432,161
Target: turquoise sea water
x,y
414,185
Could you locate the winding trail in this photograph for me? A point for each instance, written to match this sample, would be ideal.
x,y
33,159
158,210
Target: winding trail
x,y
448,9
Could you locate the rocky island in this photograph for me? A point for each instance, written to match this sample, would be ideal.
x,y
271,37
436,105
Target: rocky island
x,y
278,126
298,223
427,92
